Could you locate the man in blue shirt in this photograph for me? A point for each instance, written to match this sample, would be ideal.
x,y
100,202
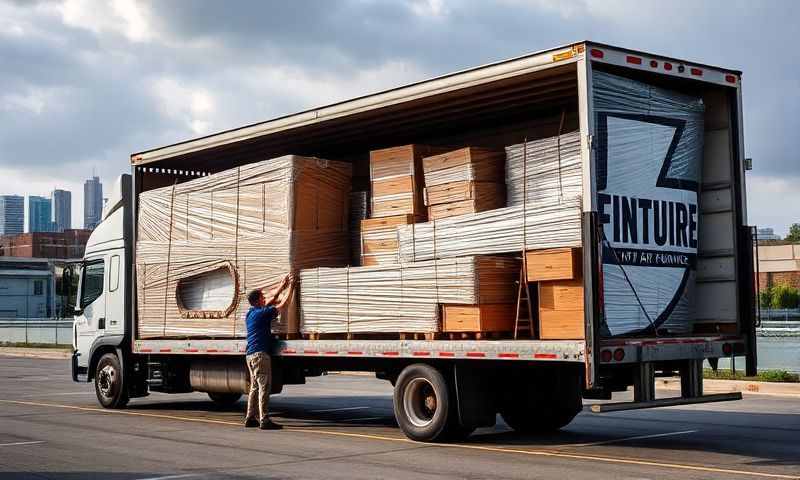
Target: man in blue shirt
x,y
259,345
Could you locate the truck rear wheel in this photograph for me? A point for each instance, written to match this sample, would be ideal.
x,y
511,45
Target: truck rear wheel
x,y
224,400
424,406
543,406
109,385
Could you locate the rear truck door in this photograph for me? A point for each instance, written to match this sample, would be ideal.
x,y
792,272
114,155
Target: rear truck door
x,y
90,311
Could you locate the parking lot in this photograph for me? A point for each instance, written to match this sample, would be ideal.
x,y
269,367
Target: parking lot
x,y
341,426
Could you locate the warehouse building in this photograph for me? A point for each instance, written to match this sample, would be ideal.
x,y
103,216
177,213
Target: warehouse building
x,y
778,265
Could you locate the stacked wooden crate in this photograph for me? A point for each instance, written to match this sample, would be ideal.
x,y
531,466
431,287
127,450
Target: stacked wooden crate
x,y
397,187
558,273
467,180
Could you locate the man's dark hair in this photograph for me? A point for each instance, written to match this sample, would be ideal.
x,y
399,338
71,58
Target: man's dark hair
x,y
254,296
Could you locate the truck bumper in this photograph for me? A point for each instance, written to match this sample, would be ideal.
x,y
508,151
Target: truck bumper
x,y
78,370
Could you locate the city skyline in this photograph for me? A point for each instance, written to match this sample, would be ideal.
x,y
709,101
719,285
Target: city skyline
x,y
27,210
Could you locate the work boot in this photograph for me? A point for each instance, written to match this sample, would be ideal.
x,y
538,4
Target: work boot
x,y
270,425
250,423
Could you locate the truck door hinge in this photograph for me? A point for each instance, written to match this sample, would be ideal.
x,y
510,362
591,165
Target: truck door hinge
x,y
590,141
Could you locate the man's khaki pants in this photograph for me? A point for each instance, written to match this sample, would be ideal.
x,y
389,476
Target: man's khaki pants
x,y
260,367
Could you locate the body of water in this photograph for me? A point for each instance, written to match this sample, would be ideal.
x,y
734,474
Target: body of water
x,y
774,353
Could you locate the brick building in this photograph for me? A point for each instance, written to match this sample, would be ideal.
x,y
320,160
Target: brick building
x,y
779,264
64,245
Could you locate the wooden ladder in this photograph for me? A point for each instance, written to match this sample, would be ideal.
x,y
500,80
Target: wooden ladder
x,y
524,317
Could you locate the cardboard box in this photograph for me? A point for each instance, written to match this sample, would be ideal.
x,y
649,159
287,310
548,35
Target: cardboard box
x,y
554,264
470,164
379,244
561,313
479,318
397,180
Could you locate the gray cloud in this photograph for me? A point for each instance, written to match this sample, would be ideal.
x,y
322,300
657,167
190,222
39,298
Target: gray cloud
x,y
86,87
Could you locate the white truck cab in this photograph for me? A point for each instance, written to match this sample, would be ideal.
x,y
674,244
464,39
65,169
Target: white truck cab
x,y
101,302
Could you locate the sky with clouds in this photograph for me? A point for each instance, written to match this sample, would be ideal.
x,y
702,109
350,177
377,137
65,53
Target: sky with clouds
x,y
83,84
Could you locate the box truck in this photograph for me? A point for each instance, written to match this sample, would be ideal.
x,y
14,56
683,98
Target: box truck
x,y
665,250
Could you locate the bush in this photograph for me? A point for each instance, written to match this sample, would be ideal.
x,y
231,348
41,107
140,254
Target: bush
x,y
784,296
765,298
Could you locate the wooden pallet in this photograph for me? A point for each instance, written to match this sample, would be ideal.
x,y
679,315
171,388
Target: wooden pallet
x,y
373,336
479,335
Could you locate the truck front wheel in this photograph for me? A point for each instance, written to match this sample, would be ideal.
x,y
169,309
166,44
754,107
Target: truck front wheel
x,y
422,403
109,385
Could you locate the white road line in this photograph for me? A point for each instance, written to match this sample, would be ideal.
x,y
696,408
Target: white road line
x,y
20,443
628,439
364,419
325,410
170,477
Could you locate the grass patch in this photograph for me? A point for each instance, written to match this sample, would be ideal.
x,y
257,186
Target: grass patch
x,y
60,346
779,376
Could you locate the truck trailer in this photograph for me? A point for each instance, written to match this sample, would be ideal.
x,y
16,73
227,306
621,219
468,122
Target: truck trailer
x,y
691,230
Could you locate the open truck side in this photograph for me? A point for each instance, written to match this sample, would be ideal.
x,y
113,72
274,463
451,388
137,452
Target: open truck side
x,y
537,385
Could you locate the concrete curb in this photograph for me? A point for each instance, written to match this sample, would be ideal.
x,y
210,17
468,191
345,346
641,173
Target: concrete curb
x,y
44,353
727,386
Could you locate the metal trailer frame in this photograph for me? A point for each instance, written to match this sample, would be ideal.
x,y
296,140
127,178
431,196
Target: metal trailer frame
x,y
642,351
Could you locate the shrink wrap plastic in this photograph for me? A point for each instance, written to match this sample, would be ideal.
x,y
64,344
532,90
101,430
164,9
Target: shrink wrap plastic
x,y
401,298
203,244
649,148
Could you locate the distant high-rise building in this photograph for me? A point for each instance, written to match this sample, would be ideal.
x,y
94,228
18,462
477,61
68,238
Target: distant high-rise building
x,y
62,210
12,214
767,234
40,214
92,202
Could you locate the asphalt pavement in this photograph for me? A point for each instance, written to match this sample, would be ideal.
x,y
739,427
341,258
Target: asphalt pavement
x,y
341,426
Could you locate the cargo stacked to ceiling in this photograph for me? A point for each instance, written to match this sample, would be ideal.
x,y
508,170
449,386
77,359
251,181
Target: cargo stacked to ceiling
x,y
203,244
408,261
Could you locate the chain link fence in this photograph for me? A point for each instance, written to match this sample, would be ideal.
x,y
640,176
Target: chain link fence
x,y
36,331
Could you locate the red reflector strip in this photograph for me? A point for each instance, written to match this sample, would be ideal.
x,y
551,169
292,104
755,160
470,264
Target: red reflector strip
x,y
310,351
508,355
145,350
191,350
633,60
476,354
730,78
288,350
332,353
226,350
545,355
447,354
212,350
355,353
165,350
391,354
420,354
596,53
696,72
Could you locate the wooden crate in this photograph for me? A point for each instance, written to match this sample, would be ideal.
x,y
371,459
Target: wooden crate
x,y
466,190
554,264
379,244
453,209
478,318
470,163
561,310
397,180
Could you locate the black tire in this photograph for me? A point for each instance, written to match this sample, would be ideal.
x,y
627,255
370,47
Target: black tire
x,y
422,404
109,382
224,400
543,406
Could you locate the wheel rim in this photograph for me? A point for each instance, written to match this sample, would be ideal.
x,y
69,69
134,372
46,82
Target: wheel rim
x,y
106,380
420,402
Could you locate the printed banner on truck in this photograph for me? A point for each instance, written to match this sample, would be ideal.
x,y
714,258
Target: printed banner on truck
x,y
649,151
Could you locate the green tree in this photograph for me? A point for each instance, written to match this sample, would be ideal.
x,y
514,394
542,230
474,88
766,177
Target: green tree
x,y
794,233
765,298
